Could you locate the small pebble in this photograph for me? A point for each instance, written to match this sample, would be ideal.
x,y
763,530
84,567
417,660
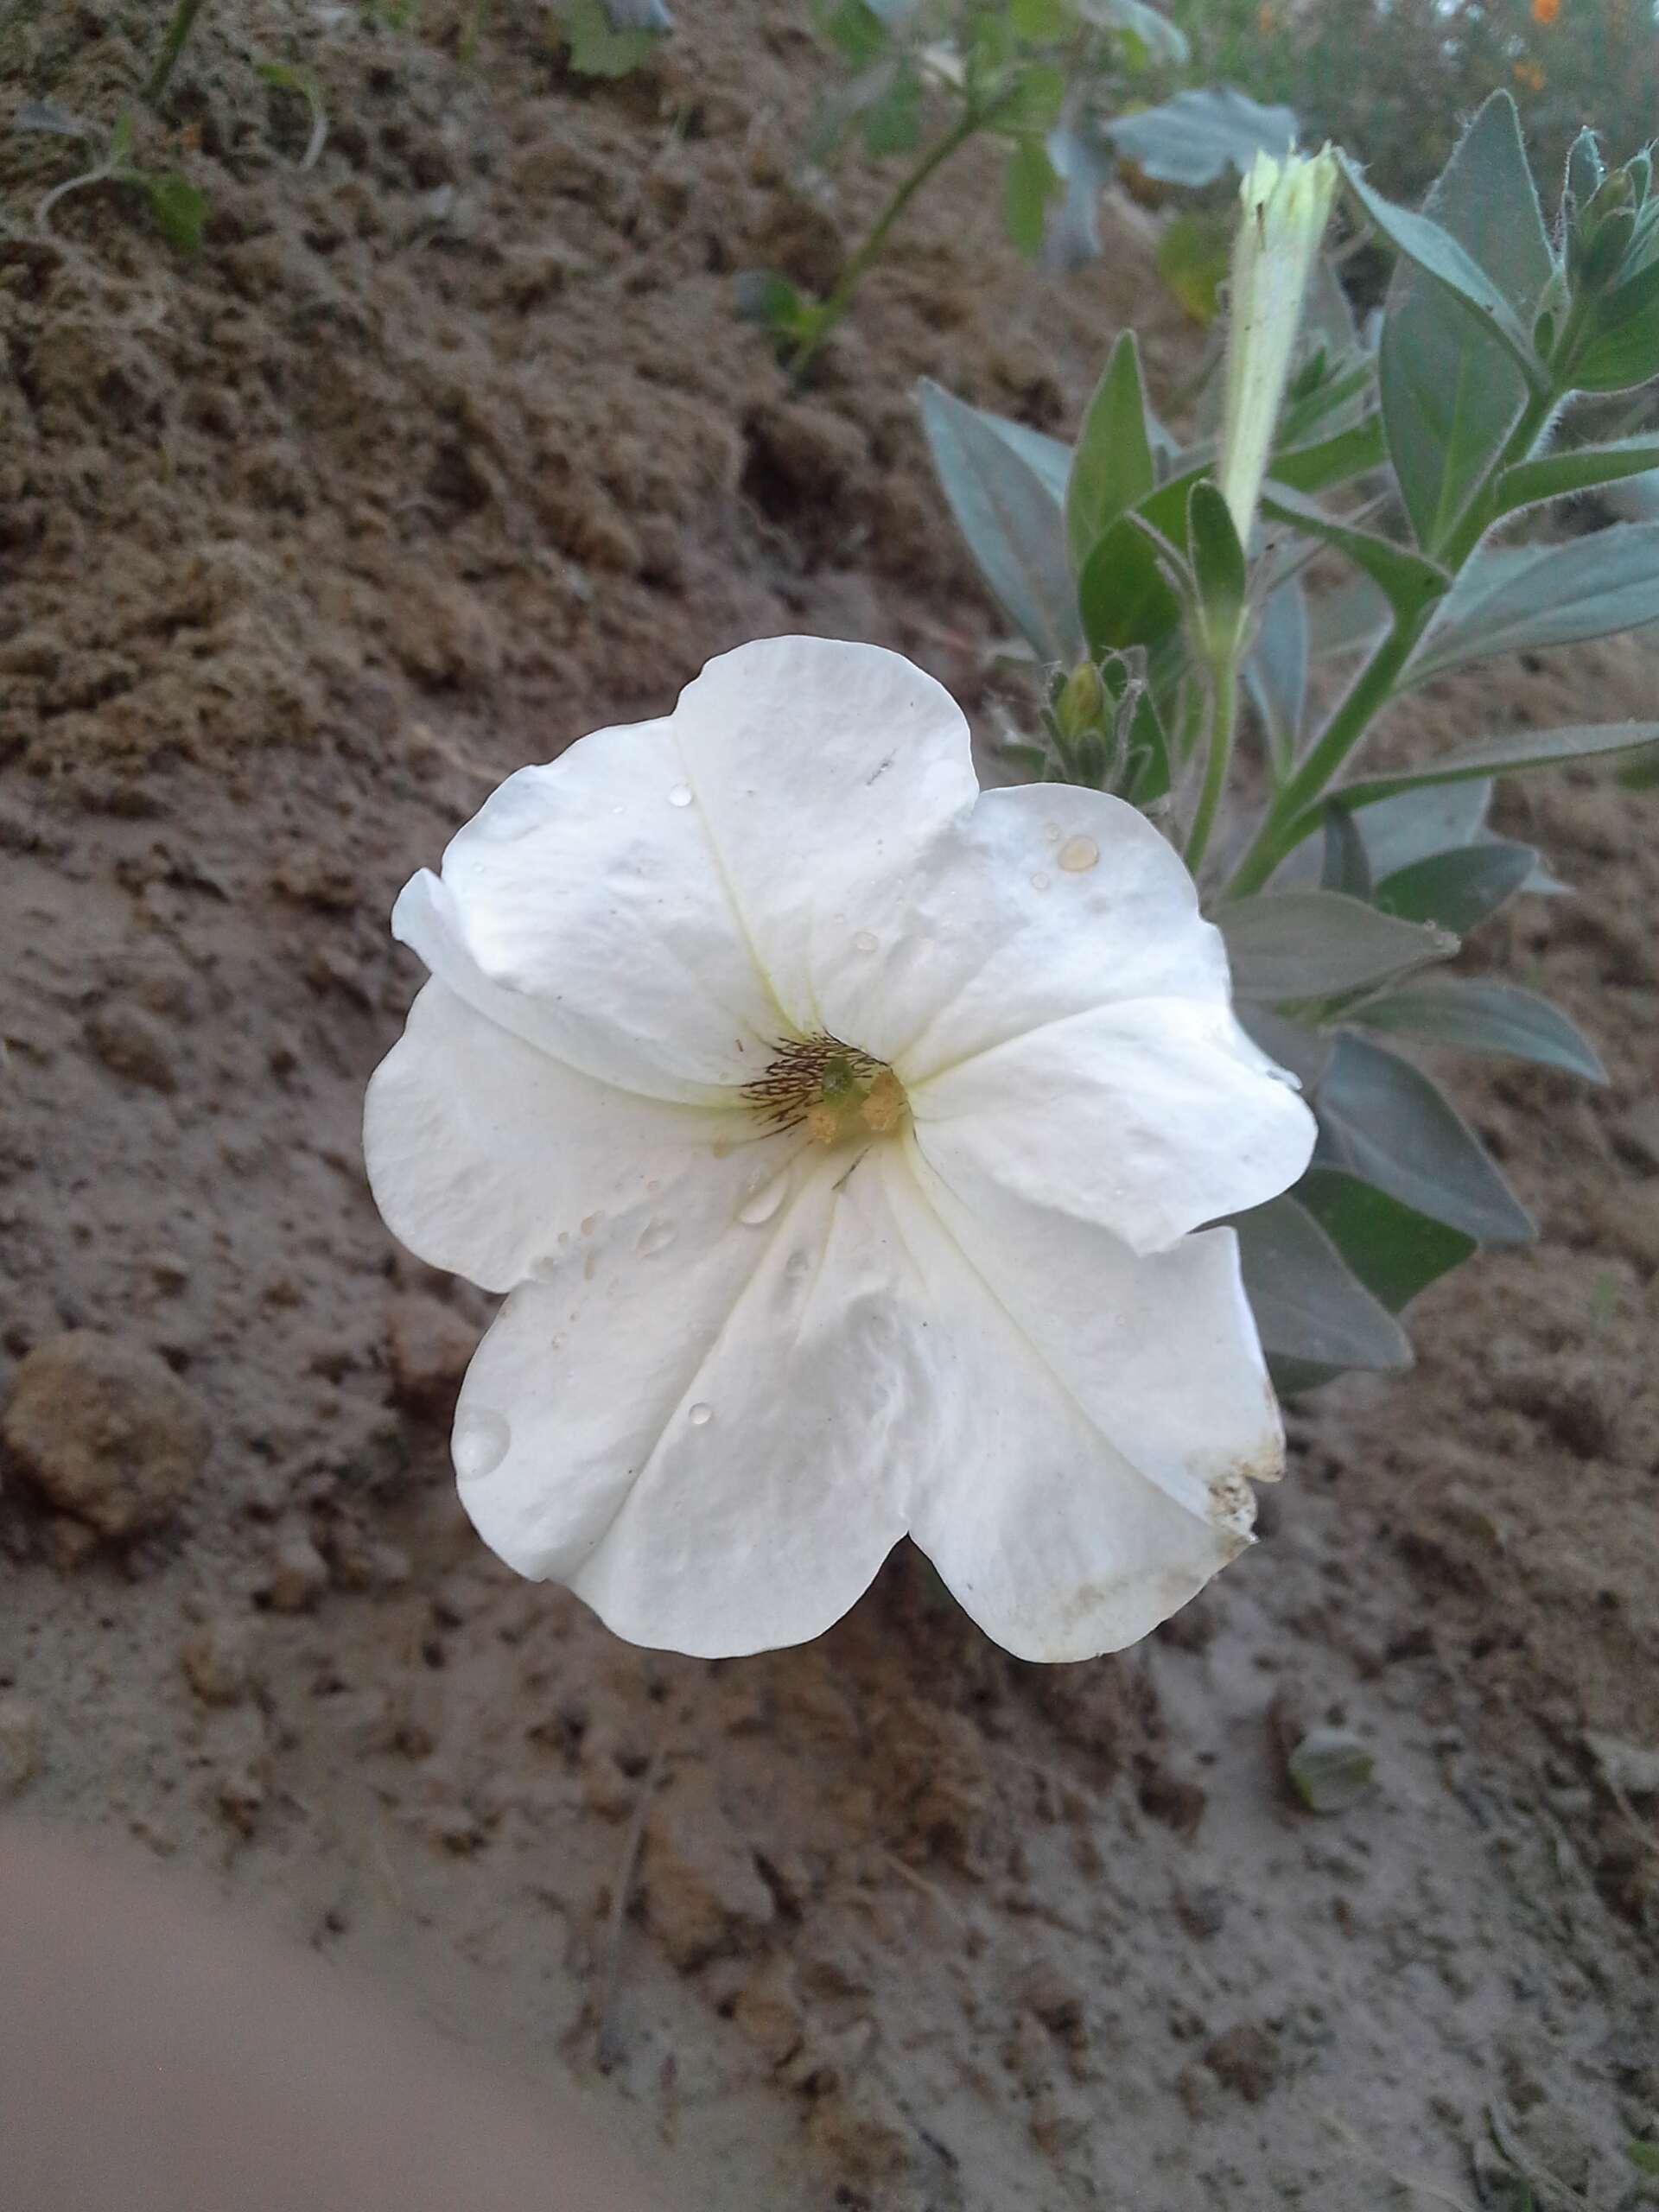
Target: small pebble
x,y
130,1044
297,1575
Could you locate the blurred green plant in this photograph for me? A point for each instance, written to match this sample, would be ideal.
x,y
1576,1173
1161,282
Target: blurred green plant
x,y
1398,76
926,77
1164,599
179,209
173,41
604,38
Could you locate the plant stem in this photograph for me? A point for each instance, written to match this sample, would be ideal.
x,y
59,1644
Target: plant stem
x,y
1224,722
1281,827
853,274
1294,811
178,32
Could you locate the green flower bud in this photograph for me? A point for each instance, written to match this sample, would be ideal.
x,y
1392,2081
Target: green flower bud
x,y
1601,252
1080,700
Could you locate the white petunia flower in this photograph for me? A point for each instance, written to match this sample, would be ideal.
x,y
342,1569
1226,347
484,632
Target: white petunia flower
x,y
839,1131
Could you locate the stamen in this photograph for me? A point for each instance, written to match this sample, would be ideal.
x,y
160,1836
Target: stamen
x,y
831,1088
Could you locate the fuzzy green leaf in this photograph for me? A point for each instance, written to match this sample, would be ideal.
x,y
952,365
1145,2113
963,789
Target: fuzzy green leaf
x,y
1450,393
1194,137
1405,580
1011,518
1553,475
1458,889
1308,1302
1520,598
1292,945
1112,467
1622,744
1474,1015
1446,262
1383,1121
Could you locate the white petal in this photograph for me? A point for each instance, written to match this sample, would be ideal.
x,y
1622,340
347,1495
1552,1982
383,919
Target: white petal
x,y
584,907
1146,1118
486,1157
1100,1419
824,771
1039,904
707,1444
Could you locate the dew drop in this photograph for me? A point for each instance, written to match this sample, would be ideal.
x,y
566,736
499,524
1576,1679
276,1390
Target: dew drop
x,y
590,1224
796,1265
865,941
763,1201
699,1416
722,1147
680,796
589,1267
478,1445
1040,882
1051,832
545,1268
557,1345
656,1237
1077,855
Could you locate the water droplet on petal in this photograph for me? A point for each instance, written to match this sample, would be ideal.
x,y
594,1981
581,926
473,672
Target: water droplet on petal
x,y
1078,854
680,796
655,1236
699,1416
590,1224
589,1266
546,1268
478,1445
1051,832
865,941
797,1265
763,1200
720,1148
1040,882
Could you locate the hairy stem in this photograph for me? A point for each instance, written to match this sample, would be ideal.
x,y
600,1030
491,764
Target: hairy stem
x,y
1294,814
1224,722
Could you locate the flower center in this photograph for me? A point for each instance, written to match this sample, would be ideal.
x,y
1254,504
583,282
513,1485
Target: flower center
x,y
834,1089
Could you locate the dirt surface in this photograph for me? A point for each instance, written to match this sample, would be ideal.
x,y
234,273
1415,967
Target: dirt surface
x,y
436,455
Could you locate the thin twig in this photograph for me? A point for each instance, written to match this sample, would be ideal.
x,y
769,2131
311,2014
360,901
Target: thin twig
x,y
931,1891
1363,2154
607,2043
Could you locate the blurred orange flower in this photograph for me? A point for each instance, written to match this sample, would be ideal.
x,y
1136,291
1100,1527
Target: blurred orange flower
x,y
1545,11
1527,73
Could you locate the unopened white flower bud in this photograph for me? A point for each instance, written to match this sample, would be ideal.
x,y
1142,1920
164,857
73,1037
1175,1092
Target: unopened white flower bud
x,y
1285,206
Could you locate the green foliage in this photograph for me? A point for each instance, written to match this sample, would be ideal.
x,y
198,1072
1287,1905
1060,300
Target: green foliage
x,y
605,40
1043,79
1112,467
1394,77
1457,421
1451,396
